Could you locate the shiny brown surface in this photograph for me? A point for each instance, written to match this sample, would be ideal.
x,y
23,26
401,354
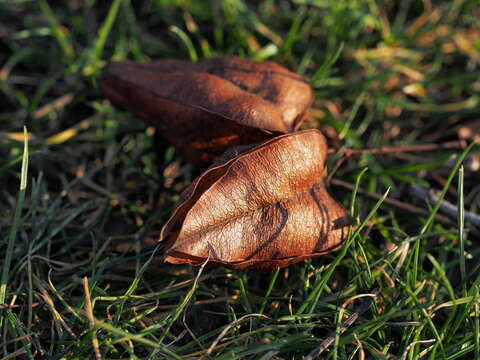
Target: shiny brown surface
x,y
265,208
205,107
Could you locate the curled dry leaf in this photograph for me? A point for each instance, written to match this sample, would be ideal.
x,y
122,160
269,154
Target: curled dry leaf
x,y
205,107
266,207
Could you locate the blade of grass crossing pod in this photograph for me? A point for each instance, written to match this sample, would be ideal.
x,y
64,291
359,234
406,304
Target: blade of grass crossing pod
x,y
435,210
314,296
15,225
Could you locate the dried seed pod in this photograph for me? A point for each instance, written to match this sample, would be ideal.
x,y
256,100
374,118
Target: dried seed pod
x,y
266,207
205,107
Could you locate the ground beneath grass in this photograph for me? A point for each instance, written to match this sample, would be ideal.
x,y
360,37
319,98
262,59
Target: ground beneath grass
x,y
81,274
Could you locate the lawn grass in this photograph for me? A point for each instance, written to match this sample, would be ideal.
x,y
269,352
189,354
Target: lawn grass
x,y
82,205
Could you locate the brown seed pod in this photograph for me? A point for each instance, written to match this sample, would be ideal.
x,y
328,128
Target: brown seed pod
x,y
266,207
203,108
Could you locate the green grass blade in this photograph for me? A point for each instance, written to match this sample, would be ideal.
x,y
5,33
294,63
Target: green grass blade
x,y
355,191
327,64
15,225
461,232
182,35
102,37
269,290
57,31
435,210
133,286
312,299
477,326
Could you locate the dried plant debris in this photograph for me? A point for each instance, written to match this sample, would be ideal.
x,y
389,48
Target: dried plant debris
x,y
203,108
265,208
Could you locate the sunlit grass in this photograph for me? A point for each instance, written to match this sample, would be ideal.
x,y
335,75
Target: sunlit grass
x,y
82,274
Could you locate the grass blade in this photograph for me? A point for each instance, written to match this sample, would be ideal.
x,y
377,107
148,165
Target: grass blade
x,y
312,299
15,225
58,32
435,210
186,41
461,233
102,38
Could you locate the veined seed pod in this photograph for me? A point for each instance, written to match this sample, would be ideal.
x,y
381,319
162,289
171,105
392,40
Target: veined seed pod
x,y
262,206
204,108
